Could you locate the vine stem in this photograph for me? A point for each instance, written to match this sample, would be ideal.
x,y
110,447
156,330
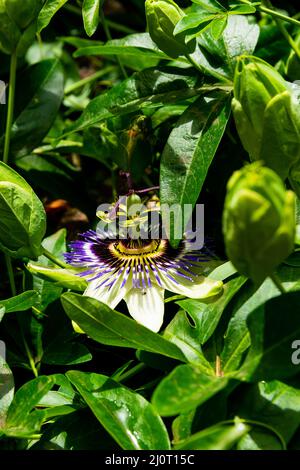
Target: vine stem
x,y
9,120
89,79
10,106
54,259
109,38
278,283
10,274
284,32
274,13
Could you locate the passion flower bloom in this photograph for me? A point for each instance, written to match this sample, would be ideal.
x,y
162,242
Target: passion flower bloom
x,y
139,271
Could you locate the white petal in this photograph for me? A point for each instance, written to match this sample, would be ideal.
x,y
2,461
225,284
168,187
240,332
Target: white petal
x,y
201,288
110,297
146,306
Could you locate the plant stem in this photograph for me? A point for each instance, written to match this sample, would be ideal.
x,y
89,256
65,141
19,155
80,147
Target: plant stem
x,y
200,69
29,355
10,274
131,372
278,283
54,259
109,38
10,106
274,13
285,33
89,79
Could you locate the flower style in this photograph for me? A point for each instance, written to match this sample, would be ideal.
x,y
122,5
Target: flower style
x,y
139,271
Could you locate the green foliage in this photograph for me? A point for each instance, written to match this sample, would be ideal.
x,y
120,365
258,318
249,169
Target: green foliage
x,y
113,98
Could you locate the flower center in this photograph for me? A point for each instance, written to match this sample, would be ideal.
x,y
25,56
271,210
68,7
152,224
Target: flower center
x,y
132,248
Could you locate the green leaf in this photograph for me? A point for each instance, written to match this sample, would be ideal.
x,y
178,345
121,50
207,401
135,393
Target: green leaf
x,y
189,152
274,403
260,438
61,346
193,20
218,26
90,14
185,388
49,291
154,86
270,355
242,10
210,5
126,415
21,421
110,327
110,49
62,434
219,437
23,218
218,57
66,278
206,316
7,387
20,302
237,336
49,9
142,52
180,332
38,97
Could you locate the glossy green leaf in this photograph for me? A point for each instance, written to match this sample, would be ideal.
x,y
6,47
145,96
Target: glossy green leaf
x,y
62,434
219,437
275,404
110,327
136,51
206,316
237,336
154,86
49,291
49,9
7,386
38,97
210,5
270,355
23,219
218,57
189,152
127,416
20,302
61,346
218,26
180,332
66,278
22,420
90,14
185,388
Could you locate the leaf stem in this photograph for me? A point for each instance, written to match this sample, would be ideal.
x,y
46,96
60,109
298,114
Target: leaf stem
x,y
54,259
10,106
109,38
272,12
278,283
10,274
285,33
29,355
131,372
89,79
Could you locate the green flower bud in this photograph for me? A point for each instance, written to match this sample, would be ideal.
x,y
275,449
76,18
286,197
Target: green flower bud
x,y
258,221
18,24
267,115
162,17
